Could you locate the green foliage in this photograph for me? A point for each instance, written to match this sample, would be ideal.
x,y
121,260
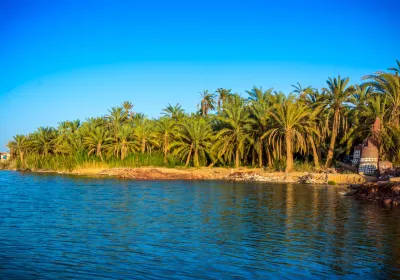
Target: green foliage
x,y
267,129
332,183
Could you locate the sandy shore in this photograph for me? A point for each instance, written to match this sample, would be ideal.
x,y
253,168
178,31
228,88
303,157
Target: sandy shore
x,y
205,173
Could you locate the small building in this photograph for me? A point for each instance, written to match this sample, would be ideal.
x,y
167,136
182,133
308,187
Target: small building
x,y
366,155
369,157
4,156
356,155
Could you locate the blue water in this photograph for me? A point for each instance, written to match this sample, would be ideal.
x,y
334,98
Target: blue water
x,y
62,227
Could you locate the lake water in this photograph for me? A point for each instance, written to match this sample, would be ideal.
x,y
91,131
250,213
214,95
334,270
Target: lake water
x,y
62,227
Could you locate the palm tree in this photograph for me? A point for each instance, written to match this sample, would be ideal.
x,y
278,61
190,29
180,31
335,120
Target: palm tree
x,y
293,121
337,94
116,118
19,146
394,69
43,140
207,102
97,140
260,104
128,106
193,140
223,95
388,84
125,143
235,130
165,128
146,135
174,112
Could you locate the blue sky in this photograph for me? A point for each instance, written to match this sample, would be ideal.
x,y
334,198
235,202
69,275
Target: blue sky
x,y
63,60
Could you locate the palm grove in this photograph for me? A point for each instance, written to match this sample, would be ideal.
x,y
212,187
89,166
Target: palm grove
x,y
265,128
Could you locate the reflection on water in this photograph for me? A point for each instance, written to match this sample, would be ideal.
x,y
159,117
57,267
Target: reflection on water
x,y
79,228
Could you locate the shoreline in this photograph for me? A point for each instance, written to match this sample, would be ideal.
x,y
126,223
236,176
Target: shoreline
x,y
216,173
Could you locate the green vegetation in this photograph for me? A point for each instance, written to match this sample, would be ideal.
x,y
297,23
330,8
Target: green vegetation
x,y
301,130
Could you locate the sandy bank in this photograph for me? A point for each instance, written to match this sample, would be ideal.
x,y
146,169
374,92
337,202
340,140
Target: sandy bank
x,y
241,174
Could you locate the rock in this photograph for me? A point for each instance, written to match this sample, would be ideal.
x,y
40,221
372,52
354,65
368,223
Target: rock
x,y
388,201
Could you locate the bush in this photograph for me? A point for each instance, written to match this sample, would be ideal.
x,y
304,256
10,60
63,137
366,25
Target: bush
x,y
332,183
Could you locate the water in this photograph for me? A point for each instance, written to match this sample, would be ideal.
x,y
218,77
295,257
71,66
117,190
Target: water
x,y
60,227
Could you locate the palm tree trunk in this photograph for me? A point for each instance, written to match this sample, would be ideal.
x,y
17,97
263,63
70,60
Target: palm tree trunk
x,y
143,145
98,152
260,153
315,154
237,158
165,149
289,152
190,153
21,157
196,157
269,158
329,158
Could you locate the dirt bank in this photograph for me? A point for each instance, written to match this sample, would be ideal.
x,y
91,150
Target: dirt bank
x,y
241,174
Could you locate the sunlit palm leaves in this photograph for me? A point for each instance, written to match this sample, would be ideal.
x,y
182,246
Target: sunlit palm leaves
x,y
193,141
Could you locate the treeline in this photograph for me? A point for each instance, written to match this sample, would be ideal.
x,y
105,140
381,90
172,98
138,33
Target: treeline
x,y
265,128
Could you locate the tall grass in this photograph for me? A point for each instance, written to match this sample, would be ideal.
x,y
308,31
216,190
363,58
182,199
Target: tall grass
x,y
4,165
82,161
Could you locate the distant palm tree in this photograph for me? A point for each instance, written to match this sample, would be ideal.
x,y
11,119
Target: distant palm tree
x,y
116,118
257,94
146,135
174,112
235,131
97,141
165,129
43,140
125,144
19,146
207,102
128,106
223,95
193,140
337,94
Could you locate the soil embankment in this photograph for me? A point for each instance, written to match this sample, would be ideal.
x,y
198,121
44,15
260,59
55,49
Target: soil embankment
x,y
241,174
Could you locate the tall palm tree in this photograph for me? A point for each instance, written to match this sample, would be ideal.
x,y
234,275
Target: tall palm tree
x,y
128,106
337,94
235,130
207,102
193,140
388,84
97,140
19,146
293,121
116,118
174,112
223,94
260,104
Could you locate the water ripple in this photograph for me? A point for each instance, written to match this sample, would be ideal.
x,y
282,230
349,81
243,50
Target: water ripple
x,y
60,227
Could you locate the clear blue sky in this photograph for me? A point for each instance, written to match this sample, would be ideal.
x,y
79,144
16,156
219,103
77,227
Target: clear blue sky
x,y
63,60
